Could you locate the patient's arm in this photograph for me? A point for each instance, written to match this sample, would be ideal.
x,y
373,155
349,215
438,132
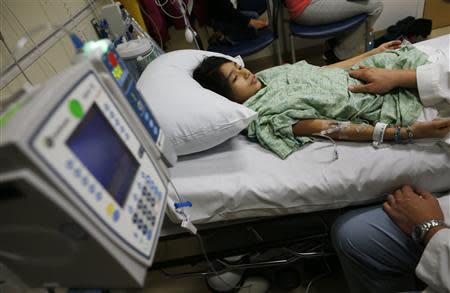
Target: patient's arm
x,y
392,45
355,132
362,132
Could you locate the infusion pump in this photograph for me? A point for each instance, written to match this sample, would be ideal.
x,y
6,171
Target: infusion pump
x,y
83,179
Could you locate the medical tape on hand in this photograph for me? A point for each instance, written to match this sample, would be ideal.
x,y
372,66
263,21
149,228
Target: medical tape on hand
x,y
338,126
378,134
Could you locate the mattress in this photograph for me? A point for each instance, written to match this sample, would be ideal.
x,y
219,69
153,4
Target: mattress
x,y
240,179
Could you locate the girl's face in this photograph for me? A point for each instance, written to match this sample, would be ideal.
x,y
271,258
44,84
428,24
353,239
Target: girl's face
x,y
244,84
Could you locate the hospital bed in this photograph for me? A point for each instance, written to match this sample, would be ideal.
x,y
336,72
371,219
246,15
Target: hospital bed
x,y
238,185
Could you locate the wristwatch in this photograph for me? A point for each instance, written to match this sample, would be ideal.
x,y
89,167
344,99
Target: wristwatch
x,y
420,231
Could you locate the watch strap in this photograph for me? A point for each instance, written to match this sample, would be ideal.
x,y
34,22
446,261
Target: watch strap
x,y
426,226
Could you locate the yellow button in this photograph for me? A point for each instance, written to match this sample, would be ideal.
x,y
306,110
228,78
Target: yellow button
x,y
110,209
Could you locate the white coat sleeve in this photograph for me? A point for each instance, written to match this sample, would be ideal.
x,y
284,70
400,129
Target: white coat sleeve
x,y
434,265
433,81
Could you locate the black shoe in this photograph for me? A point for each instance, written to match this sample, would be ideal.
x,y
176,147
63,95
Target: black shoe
x,y
329,57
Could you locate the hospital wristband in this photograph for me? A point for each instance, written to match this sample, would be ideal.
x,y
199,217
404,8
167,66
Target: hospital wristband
x,y
378,134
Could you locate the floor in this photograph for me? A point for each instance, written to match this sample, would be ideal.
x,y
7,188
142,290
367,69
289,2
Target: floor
x,y
157,282
321,282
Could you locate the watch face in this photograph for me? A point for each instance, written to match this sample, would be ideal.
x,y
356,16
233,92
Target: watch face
x,y
417,233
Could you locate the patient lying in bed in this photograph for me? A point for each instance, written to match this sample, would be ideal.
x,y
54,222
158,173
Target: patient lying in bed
x,y
295,102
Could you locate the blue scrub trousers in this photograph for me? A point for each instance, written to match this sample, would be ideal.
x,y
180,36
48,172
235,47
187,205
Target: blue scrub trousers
x,y
376,256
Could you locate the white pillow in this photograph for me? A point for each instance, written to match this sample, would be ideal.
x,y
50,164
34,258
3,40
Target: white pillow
x,y
195,119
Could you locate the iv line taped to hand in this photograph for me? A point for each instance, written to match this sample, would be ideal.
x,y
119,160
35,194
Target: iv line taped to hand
x,y
336,126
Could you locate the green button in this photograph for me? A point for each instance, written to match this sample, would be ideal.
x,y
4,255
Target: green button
x,y
76,109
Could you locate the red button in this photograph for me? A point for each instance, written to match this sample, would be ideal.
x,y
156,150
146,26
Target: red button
x,y
112,59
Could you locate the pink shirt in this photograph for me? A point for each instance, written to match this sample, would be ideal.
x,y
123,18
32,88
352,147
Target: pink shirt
x,y
296,7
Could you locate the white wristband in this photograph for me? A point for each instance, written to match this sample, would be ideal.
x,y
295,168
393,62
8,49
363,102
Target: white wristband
x,y
378,133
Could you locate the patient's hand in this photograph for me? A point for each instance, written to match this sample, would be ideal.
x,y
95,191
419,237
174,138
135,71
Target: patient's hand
x,y
438,128
392,45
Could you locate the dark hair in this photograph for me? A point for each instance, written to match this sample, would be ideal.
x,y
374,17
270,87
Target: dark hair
x,y
209,76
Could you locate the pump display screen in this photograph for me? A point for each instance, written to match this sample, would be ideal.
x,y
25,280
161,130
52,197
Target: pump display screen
x,y
104,154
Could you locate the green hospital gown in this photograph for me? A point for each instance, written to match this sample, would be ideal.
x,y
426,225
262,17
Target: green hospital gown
x,y
299,91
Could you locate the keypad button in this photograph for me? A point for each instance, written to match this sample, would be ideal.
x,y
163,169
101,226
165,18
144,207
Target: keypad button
x,y
110,209
135,218
116,215
85,181
152,220
98,196
69,164
149,234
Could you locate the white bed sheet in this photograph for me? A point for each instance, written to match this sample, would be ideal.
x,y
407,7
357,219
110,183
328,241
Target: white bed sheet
x,y
240,179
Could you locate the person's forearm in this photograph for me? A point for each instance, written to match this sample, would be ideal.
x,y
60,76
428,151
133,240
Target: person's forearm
x,y
352,61
405,78
353,132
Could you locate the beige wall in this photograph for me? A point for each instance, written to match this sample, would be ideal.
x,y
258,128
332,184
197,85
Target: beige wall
x,y
21,17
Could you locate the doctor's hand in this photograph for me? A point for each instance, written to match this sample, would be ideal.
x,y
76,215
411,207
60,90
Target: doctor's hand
x,y
408,208
381,81
438,128
378,80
